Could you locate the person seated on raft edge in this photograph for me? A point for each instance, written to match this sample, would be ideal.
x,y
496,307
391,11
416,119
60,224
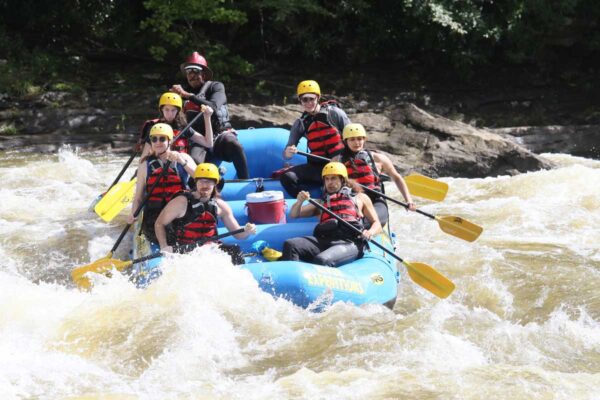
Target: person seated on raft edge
x,y
322,125
332,243
201,90
365,167
173,181
193,216
169,109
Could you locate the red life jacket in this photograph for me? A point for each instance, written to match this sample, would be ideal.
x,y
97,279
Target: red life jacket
x,y
171,183
324,139
361,167
181,145
199,221
342,204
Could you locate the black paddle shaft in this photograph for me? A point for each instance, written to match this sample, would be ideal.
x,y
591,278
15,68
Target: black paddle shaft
x,y
135,153
348,225
394,200
383,176
145,199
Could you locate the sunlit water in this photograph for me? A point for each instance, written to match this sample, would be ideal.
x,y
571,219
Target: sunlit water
x,y
523,323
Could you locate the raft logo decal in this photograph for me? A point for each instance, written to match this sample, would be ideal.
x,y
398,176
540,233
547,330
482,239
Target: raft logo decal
x,y
331,281
377,279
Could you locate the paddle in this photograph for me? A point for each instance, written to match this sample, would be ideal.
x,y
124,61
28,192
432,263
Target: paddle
x,y
421,273
119,196
418,185
107,264
456,226
101,196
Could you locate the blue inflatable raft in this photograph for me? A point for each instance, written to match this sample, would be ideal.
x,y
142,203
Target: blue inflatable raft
x,y
371,279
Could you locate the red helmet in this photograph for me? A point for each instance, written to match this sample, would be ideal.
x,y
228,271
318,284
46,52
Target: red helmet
x,y
196,60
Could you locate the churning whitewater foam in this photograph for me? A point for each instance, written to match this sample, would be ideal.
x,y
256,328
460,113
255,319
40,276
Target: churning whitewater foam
x,y
522,323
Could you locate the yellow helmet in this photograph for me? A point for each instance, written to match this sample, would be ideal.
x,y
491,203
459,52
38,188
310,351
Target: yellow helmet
x,y
207,171
161,129
308,87
354,130
171,99
335,168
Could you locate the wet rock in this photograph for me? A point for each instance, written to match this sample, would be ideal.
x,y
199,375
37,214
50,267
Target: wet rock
x,y
434,145
579,140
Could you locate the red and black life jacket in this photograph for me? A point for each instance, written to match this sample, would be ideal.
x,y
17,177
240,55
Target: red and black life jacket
x,y
171,183
342,204
361,167
199,221
181,144
324,139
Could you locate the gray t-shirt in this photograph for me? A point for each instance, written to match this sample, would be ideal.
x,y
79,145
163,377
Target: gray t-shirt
x,y
335,115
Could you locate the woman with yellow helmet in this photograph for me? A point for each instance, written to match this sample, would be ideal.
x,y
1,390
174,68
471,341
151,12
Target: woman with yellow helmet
x,y
194,215
365,168
322,125
333,244
175,179
169,109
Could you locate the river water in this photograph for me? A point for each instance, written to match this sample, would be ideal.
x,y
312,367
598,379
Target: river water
x,y
523,322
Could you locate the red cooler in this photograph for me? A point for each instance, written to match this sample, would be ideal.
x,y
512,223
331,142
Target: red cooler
x,y
266,207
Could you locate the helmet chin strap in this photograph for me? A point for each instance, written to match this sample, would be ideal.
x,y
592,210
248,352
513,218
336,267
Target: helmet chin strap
x,y
314,110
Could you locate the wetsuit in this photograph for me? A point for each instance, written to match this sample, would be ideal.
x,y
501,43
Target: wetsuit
x,y
331,244
226,145
199,224
361,168
324,135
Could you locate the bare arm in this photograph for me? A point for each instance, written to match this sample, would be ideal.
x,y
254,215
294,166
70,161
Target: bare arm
x,y
206,140
388,168
231,223
367,209
176,208
184,159
300,211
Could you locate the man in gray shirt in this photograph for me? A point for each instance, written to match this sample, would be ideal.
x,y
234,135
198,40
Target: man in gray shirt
x,y
322,125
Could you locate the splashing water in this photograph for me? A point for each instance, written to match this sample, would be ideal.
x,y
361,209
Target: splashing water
x,y
523,322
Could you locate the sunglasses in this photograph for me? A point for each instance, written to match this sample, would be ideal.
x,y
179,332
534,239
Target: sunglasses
x,y
194,71
307,99
161,139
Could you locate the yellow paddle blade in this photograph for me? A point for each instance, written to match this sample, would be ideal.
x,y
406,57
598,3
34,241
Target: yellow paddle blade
x,y
427,277
271,254
427,188
101,266
115,200
461,228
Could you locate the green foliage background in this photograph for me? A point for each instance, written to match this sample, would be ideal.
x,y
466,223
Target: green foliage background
x,y
39,41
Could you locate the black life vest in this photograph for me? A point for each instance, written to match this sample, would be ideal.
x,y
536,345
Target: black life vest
x,y
220,118
199,221
324,139
171,183
361,167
